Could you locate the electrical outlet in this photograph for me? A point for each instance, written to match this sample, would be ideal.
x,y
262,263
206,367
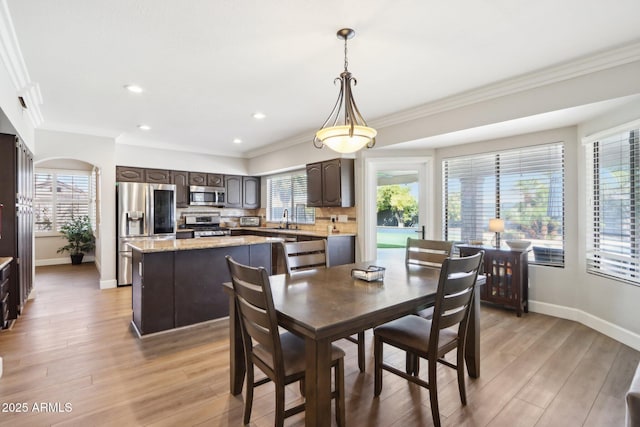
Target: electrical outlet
x,y
343,218
333,218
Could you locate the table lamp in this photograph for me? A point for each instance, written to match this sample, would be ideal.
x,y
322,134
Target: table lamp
x,y
496,225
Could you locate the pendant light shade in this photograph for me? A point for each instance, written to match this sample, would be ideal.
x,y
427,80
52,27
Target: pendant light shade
x,y
345,130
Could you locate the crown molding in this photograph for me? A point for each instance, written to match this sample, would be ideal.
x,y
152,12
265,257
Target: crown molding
x,y
568,70
11,56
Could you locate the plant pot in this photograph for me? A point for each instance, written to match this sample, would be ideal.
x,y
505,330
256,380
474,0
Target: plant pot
x,y
76,259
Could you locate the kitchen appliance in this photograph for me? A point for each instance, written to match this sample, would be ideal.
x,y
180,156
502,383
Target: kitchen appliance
x,y
143,211
206,196
205,224
249,221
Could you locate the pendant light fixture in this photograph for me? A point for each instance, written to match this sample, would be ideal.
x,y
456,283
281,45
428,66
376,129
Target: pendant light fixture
x,y
346,133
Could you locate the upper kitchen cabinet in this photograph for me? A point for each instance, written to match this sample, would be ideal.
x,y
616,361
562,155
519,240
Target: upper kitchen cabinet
x,y
251,192
206,179
129,174
233,187
157,176
242,191
331,183
215,180
181,181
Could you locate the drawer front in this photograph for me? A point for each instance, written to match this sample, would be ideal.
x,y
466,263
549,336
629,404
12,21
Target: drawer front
x,y
4,312
4,273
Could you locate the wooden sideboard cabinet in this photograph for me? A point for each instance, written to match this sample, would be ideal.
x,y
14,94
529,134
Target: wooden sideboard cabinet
x,y
507,274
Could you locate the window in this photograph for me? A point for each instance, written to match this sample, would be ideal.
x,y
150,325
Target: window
x,y
61,195
289,191
525,187
613,221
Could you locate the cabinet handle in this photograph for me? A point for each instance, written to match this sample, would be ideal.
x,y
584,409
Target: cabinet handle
x,y
140,268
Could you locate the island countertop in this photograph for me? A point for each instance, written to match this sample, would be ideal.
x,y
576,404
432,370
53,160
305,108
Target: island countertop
x,y
294,232
170,245
4,261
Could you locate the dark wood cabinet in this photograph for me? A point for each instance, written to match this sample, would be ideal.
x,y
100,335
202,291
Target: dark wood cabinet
x,y
152,291
250,192
206,179
233,187
157,176
129,174
507,274
16,196
215,180
175,289
181,180
331,183
4,295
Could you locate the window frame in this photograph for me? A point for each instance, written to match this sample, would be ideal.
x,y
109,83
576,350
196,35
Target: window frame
x,y
494,171
55,199
295,199
603,255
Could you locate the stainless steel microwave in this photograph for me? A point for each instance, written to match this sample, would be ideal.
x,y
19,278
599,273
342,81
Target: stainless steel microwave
x,y
206,196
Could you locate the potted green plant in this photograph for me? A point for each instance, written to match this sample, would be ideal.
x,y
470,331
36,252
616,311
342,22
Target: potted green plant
x,y
79,236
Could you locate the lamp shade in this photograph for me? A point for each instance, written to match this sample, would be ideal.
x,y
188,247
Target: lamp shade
x,y
338,139
496,225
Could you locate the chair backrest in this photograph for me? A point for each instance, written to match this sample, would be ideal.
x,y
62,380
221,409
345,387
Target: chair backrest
x,y
305,255
258,321
454,296
429,253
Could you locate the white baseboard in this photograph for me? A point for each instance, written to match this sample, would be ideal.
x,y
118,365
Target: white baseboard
x,y
108,284
61,260
605,327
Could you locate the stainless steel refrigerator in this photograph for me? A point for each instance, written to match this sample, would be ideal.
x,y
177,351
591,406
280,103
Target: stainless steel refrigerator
x,y
143,211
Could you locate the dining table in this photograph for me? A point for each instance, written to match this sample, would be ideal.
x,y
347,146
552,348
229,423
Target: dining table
x,y
326,304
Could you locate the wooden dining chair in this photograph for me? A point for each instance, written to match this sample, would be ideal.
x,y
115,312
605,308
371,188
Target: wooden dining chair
x,y
310,254
280,356
426,253
433,339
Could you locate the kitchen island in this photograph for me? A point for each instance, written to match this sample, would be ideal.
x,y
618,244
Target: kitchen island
x,y
177,283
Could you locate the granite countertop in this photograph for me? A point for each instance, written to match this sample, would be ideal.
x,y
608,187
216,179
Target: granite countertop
x,y
169,245
4,261
294,232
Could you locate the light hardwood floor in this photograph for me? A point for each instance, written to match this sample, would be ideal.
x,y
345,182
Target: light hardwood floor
x,y
74,345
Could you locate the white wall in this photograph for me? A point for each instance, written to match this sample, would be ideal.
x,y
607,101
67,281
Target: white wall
x,y
99,151
132,155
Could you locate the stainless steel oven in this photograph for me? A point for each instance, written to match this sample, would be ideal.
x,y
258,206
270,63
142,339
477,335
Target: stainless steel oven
x,y
206,196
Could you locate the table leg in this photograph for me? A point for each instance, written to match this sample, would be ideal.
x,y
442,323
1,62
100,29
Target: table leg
x,y
318,383
472,345
236,351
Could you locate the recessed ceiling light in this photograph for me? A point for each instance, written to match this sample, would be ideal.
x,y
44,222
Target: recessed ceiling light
x,y
237,141
259,115
144,127
134,88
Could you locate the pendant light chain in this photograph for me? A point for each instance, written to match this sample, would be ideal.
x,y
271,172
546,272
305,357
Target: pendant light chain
x,y
346,61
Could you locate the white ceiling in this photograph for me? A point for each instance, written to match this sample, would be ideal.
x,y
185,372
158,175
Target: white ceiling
x,y
207,66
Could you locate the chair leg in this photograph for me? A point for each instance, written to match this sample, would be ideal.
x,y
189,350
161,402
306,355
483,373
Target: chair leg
x,y
412,364
433,391
361,352
302,387
377,358
460,370
340,398
248,401
279,405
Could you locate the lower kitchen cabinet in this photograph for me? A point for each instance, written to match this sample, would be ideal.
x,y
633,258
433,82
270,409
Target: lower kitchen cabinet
x,y
181,288
507,273
4,294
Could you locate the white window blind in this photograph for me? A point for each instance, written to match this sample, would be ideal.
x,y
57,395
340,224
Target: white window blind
x,y
289,191
613,173
525,187
60,196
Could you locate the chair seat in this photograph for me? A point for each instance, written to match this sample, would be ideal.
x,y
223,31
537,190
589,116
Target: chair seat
x,y
293,353
413,331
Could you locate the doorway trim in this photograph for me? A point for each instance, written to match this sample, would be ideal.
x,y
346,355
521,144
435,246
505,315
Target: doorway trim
x,y
426,205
